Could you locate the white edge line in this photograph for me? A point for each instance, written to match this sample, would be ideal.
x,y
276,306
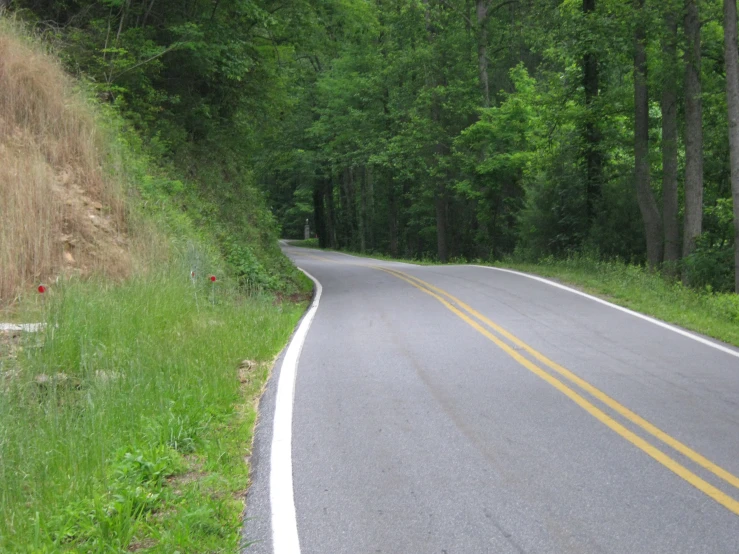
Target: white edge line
x,y
657,322
282,501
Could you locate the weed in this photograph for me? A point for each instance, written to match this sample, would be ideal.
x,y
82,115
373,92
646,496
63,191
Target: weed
x,y
151,380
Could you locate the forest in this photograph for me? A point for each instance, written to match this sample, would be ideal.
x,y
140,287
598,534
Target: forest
x,y
440,129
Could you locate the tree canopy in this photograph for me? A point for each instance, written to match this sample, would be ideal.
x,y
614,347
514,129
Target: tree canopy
x,y
451,129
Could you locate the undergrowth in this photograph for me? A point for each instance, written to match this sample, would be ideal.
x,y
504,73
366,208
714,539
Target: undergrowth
x,y
126,423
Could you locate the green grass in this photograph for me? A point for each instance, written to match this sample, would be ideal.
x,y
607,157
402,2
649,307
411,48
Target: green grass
x,y
124,426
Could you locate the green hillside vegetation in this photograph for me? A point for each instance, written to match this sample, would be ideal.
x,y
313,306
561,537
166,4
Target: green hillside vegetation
x,y
125,422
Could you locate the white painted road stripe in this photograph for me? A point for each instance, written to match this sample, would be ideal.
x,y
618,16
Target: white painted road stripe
x,y
282,502
662,324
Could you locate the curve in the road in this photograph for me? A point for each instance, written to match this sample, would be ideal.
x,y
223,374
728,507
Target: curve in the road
x,y
397,447
597,393
719,496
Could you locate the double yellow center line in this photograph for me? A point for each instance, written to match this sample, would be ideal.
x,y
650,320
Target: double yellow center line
x,y
496,334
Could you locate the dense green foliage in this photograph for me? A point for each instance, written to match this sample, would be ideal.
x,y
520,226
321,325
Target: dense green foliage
x,y
395,146
199,83
451,128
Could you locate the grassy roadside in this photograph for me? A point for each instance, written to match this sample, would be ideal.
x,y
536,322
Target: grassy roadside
x,y
125,426
701,310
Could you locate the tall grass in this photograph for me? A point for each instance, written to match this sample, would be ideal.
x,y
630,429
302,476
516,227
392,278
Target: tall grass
x,y
53,155
124,425
126,381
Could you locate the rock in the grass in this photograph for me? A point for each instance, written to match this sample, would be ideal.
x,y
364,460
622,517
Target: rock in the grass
x,y
58,380
42,379
245,369
107,376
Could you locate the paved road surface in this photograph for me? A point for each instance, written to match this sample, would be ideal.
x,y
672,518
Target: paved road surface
x,y
480,411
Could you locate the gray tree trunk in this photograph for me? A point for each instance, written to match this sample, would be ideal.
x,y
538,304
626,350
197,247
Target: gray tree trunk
x,y
669,144
369,178
363,210
441,224
319,214
482,48
693,130
393,218
645,197
440,195
592,136
331,214
731,59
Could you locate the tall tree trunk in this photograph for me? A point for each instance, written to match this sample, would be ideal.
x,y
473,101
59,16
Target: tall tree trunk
x,y
441,224
440,196
348,208
370,215
693,130
319,214
482,48
592,136
330,213
393,218
731,59
647,203
363,210
669,144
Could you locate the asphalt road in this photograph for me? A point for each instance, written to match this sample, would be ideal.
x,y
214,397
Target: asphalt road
x,y
480,411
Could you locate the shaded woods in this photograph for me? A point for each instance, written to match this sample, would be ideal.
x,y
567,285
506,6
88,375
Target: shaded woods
x,y
475,129
459,129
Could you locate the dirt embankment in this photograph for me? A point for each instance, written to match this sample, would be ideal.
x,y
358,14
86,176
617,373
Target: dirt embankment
x,y
62,207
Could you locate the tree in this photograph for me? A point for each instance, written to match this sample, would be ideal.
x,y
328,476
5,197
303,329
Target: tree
x,y
668,104
645,196
731,62
693,130
592,136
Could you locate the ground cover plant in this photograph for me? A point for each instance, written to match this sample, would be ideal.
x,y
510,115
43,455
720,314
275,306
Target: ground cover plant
x,y
126,423
126,420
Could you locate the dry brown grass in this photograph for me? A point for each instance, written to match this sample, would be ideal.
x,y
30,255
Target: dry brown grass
x,y
60,210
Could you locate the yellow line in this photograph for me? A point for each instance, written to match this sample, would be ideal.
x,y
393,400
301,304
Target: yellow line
x,y
680,470
600,395
321,258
